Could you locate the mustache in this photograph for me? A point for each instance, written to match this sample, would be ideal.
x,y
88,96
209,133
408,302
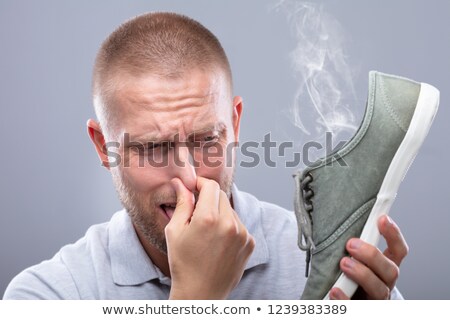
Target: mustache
x,y
172,198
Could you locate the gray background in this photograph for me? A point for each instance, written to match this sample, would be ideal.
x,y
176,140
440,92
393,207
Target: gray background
x,y
52,187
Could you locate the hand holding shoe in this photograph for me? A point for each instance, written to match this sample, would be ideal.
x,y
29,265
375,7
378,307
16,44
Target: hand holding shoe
x,y
375,272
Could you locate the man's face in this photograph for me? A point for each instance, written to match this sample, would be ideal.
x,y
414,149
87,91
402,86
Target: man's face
x,y
171,128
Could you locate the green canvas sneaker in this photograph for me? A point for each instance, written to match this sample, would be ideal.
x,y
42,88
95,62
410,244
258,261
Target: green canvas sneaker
x,y
342,195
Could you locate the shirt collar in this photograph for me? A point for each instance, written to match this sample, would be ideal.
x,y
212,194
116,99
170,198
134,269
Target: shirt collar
x,y
131,265
249,210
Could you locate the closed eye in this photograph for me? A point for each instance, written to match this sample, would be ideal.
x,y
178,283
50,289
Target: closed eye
x,y
208,141
210,138
152,145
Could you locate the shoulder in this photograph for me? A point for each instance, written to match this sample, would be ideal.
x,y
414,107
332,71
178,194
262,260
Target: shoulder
x,y
54,279
273,212
279,260
278,225
49,280
273,217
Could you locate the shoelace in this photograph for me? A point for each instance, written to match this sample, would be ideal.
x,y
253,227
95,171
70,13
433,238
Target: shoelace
x,y
303,207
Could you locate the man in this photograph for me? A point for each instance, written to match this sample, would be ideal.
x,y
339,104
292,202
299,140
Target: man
x,y
162,91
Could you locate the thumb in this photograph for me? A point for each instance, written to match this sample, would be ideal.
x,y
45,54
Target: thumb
x,y
185,203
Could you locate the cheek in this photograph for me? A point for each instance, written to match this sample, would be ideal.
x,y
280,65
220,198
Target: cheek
x,y
144,179
215,162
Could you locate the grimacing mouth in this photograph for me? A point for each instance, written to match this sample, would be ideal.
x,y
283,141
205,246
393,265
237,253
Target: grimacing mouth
x,y
169,205
168,209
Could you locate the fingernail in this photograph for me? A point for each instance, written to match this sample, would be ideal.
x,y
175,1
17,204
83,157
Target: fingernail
x,y
389,220
349,263
355,243
333,295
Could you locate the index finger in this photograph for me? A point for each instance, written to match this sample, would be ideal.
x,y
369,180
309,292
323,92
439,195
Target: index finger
x,y
185,203
397,248
208,197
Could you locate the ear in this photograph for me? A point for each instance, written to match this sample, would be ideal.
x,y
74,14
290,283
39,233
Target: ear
x,y
237,112
97,137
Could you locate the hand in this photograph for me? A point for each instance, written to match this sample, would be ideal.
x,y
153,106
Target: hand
x,y
207,246
375,272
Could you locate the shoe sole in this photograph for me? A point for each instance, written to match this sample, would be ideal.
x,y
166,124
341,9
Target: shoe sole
x,y
426,108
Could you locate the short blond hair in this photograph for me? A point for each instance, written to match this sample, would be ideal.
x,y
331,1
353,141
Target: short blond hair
x,y
165,44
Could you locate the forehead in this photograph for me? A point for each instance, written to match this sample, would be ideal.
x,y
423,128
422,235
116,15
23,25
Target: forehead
x,y
159,106
159,93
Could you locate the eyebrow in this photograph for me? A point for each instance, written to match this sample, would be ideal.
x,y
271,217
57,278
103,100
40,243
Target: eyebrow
x,y
220,127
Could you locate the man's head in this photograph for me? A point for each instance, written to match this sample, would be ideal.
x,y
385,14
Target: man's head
x,y
162,88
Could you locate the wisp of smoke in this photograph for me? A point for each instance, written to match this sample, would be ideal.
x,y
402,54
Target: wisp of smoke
x,y
326,91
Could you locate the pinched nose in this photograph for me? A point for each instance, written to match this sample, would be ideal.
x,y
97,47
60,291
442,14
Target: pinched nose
x,y
184,169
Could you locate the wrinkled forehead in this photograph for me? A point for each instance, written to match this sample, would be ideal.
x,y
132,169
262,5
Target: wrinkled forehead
x,y
166,94
161,106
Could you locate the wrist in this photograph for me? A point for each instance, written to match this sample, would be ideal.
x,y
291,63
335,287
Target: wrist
x,y
192,294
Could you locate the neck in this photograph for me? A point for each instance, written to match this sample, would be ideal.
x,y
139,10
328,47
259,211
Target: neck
x,y
158,258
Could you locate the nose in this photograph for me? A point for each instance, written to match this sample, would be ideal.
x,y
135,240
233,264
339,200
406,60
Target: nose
x,y
183,167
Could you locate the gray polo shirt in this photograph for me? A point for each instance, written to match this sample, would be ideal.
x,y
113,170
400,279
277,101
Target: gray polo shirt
x,y
109,262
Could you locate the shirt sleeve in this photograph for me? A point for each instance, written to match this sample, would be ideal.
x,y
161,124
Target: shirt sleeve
x,y
50,280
